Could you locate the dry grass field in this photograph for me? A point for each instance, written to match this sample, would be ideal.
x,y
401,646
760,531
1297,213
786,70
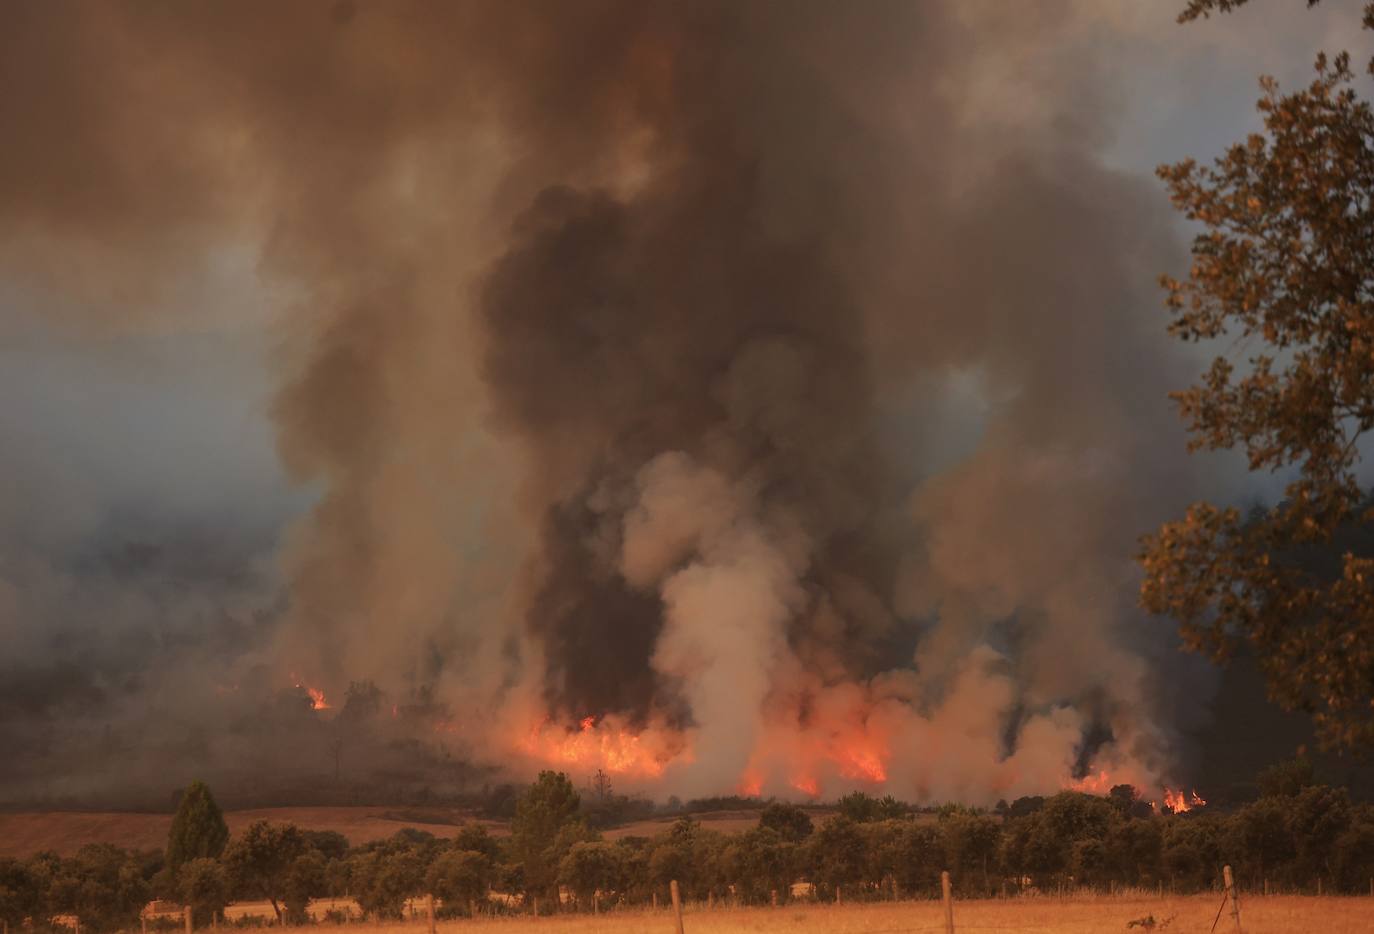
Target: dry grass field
x,y
1275,915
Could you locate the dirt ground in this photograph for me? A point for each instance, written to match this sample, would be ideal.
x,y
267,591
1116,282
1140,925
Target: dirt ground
x,y
1183,915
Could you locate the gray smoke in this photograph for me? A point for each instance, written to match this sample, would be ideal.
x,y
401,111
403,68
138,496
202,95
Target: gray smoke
x,y
616,347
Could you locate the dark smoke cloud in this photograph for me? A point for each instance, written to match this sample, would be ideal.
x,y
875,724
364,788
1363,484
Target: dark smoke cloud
x,y
610,335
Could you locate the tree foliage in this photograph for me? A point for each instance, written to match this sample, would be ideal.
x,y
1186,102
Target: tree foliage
x,y
539,838
788,821
306,877
1202,9
198,829
1285,266
203,884
259,861
21,892
460,878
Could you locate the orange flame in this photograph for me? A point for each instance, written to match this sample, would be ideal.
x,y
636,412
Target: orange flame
x,y
317,698
863,764
1178,802
806,785
1098,784
593,746
750,784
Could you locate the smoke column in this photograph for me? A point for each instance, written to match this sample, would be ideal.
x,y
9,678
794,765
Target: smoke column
x,y
622,345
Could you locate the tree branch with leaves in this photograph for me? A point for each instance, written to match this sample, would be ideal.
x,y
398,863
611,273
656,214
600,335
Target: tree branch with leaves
x,y
1284,270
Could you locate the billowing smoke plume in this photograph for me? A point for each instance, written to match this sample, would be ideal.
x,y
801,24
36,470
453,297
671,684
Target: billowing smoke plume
x,y
731,374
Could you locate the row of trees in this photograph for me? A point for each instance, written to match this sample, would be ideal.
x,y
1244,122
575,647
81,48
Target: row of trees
x,y
1296,834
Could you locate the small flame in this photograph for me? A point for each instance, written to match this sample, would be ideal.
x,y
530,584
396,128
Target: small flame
x,y
807,785
1178,802
317,698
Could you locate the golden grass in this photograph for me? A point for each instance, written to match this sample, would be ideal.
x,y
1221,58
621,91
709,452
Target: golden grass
x,y
1285,914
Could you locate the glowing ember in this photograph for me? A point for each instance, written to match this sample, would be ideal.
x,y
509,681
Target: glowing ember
x,y
593,746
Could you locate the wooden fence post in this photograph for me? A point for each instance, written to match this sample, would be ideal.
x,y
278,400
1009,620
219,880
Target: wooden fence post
x,y
429,911
1231,894
677,904
837,895
536,906
775,898
948,897
1319,886
710,899
142,921
596,903
186,913
655,900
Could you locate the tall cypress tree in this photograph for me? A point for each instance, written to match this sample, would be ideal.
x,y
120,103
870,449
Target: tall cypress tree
x,y
198,829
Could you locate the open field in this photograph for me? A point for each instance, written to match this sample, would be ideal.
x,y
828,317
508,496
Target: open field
x,y
1288,914
23,833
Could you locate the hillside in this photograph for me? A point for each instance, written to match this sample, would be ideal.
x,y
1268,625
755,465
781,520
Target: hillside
x,y
26,832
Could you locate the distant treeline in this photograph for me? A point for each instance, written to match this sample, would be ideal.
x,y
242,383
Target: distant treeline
x,y
1296,836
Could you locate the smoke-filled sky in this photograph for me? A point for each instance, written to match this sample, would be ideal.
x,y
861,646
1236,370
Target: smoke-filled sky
x,y
780,385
